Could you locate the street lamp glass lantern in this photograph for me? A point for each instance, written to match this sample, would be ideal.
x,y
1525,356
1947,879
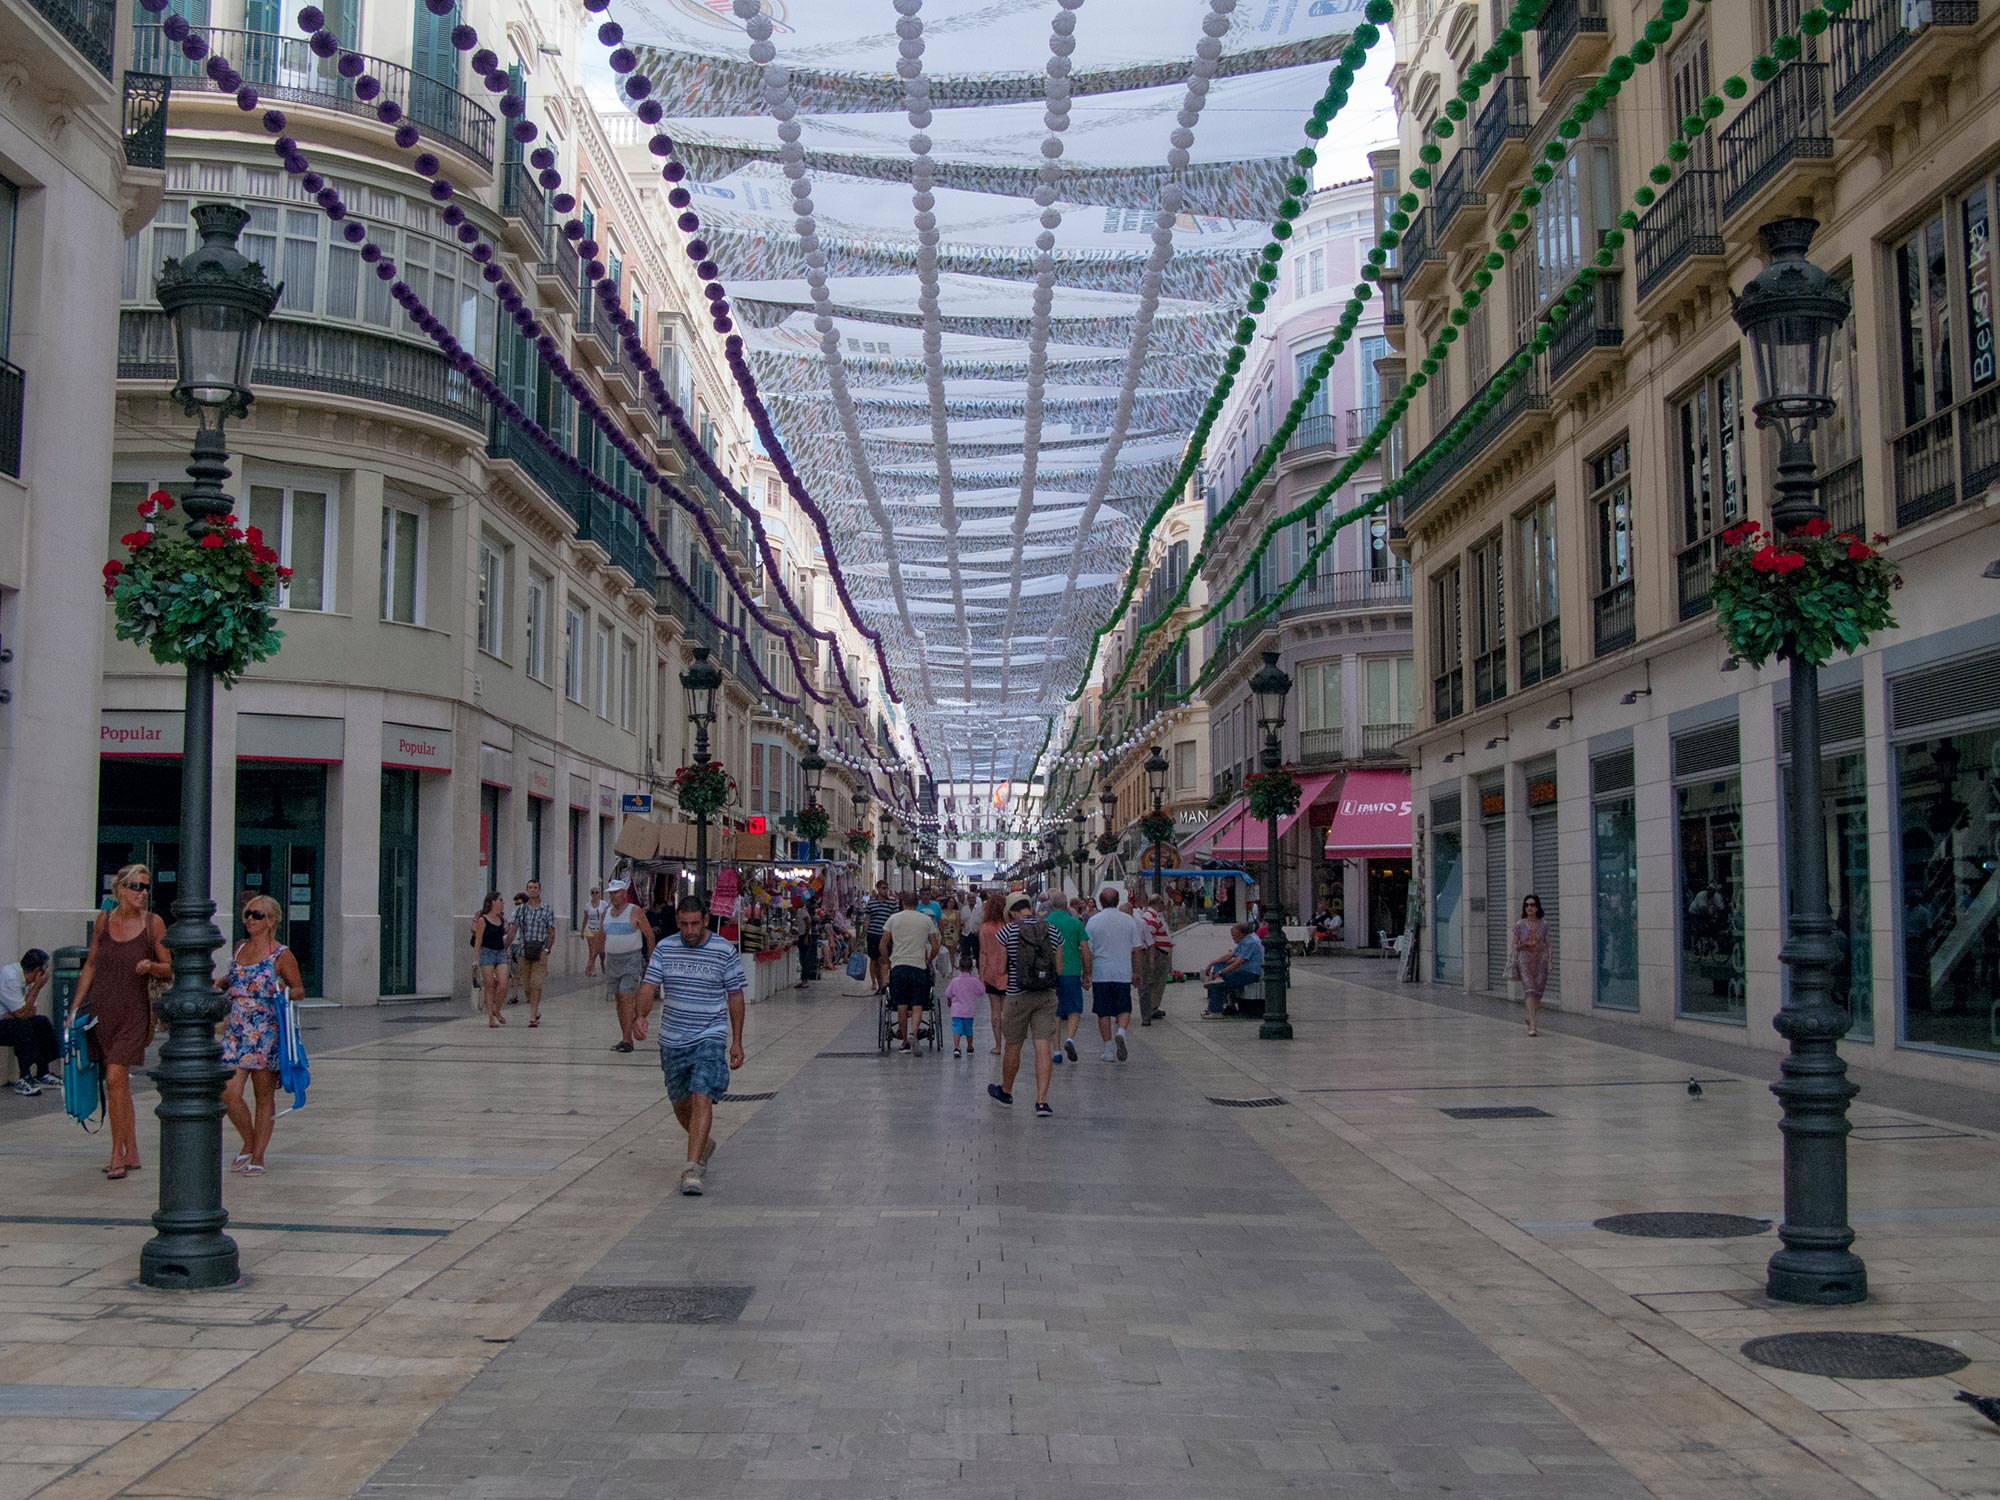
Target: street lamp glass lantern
x,y
1156,773
1791,312
1271,686
1108,800
812,765
217,299
702,681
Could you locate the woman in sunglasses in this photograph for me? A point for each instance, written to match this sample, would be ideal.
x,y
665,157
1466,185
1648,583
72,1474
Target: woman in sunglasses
x,y
262,976
127,949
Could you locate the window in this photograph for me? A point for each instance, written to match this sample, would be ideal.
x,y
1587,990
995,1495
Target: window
x,y
1839,433
1184,765
1614,623
1440,393
1535,551
1614,855
573,628
628,684
1578,204
1949,848
538,624
1712,978
1319,688
1489,621
402,565
604,641
1374,347
297,524
1708,429
1478,349
10,208
492,598
1392,691
1447,645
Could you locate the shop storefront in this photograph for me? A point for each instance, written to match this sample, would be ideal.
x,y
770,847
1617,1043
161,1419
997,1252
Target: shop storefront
x,y
1368,834
410,755
1447,889
1708,812
1614,864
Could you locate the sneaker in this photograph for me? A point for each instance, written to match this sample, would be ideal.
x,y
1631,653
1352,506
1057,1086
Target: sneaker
x,y
691,1180
1158,1015
999,1095
1110,1052
47,1080
1069,1048
1119,1042
1057,1059
24,1088
1043,1112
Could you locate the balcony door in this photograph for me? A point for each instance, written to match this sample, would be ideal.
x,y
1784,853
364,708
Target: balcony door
x,y
1688,69
434,68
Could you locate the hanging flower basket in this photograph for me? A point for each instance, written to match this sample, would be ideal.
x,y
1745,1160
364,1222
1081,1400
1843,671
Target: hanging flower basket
x,y
703,790
888,854
1273,794
813,824
197,600
1107,843
1156,828
859,840
1804,596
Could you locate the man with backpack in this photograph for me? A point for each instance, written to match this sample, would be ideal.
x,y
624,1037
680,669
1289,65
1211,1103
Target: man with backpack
x,y
1034,960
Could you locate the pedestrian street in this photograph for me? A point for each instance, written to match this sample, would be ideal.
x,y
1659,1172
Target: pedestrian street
x,y
468,1273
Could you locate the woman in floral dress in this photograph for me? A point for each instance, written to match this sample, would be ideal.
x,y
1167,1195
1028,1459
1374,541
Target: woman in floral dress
x,y
1531,955
262,976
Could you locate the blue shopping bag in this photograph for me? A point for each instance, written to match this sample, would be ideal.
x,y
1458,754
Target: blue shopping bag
x,y
857,966
82,1075
294,1072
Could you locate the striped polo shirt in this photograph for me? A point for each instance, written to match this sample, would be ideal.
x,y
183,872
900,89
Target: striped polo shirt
x,y
695,985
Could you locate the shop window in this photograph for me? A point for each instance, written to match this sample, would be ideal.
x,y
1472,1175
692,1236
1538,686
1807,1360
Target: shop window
x,y
298,524
1447,904
402,565
1950,855
1712,964
1319,685
1489,621
1844,827
573,674
492,598
537,624
1614,879
1614,621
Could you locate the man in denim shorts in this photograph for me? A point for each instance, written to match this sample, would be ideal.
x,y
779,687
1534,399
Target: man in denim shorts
x,y
699,978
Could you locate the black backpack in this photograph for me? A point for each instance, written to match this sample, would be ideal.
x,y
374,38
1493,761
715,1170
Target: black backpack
x,y
1035,957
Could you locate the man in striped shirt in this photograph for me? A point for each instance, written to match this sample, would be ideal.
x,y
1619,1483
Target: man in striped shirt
x,y
875,914
1031,1009
699,978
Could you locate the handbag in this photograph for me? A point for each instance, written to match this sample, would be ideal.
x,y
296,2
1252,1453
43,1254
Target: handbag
x,y
530,952
82,1074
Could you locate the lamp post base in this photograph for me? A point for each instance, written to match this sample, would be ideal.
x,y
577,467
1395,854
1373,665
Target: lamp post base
x,y
200,1262
1816,1278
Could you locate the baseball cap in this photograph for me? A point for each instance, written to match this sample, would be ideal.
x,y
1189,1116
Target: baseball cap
x,y
1019,903
619,885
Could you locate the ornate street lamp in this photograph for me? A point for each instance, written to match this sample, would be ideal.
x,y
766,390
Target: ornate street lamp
x,y
701,680
218,299
1156,782
1108,800
1270,684
1790,313
812,766
1080,850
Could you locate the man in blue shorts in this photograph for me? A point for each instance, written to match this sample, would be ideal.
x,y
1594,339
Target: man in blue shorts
x,y
1073,981
699,978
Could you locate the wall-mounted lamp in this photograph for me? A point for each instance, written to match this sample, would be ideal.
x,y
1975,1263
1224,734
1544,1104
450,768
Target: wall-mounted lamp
x,y
1640,692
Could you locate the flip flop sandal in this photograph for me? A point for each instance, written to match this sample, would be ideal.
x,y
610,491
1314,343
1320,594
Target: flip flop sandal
x,y
253,1170
114,1174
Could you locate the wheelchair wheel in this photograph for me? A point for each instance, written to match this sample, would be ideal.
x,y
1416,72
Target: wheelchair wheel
x,y
884,1031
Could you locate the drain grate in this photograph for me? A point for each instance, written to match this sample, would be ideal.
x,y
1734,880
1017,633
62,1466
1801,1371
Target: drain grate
x,y
746,1098
1856,1356
1678,1226
1497,1112
1245,1103
871,1052
649,1304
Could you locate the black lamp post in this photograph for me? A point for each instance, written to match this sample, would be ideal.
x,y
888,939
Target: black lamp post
x,y
1270,685
1156,782
812,766
1080,846
702,680
860,799
218,299
1108,800
1790,312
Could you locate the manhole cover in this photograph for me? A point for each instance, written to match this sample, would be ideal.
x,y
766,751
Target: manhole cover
x,y
1856,1356
746,1098
871,1052
1684,1226
1245,1103
1498,1112
649,1304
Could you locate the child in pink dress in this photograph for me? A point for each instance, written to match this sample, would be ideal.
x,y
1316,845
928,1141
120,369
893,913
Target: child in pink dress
x,y
964,992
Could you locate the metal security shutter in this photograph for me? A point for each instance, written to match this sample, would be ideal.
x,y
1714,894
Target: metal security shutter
x,y
1702,752
1964,690
1542,849
1499,929
1841,722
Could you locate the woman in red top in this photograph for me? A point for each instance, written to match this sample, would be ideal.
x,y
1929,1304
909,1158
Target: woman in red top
x,y
127,949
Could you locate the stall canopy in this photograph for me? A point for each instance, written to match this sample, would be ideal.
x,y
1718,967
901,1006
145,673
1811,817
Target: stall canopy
x,y
1372,819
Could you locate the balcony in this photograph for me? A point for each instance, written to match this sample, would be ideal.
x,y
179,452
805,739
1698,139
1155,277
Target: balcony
x,y
1361,421
1524,401
1222,656
1589,336
1846,504
1614,621
1951,459
1679,241
596,339
559,274
1489,676
1695,574
1448,695
508,443
1879,64
87,25
1391,290
1541,652
1379,741
1316,430
1420,254
13,404
284,70
1318,746
524,208
1783,123
322,357
1360,589
145,123
1571,38
1500,135
1457,207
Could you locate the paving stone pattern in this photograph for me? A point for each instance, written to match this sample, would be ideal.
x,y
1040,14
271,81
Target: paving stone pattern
x,y
954,1300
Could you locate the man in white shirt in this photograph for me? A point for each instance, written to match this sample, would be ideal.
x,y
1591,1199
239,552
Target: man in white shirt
x,y
33,1037
1114,938
909,943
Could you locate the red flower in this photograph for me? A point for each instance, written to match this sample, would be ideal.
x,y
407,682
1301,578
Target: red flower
x,y
1766,560
160,500
284,575
254,579
1788,562
213,541
1817,526
1737,533
253,535
113,568
1859,551
135,539
263,554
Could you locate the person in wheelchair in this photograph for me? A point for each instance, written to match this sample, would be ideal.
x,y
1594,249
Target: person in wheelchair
x,y
910,940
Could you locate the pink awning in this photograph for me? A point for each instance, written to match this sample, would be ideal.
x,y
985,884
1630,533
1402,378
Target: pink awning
x,y
1372,818
1246,839
1198,844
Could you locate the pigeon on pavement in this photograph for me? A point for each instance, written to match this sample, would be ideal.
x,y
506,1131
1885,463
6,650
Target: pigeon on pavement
x,y
1987,1406
1694,1089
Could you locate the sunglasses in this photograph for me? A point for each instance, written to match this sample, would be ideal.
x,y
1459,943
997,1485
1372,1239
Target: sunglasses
x,y
256,916
137,885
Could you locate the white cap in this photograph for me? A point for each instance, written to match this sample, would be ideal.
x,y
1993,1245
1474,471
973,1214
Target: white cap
x,y
619,885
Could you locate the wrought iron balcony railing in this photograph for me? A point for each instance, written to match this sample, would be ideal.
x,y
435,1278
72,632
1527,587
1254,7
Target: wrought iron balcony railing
x,y
1785,121
13,407
1867,40
1541,652
145,124
1597,322
1614,622
1504,119
1684,223
87,25
1562,22
1359,588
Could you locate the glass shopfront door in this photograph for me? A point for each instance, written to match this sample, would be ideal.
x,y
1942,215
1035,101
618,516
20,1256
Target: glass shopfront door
x,y
399,882
281,853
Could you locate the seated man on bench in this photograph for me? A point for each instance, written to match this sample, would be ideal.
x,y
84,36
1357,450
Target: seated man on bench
x,y
33,1037
1227,978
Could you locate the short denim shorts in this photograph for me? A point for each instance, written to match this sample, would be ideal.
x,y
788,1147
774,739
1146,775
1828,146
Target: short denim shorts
x,y
700,1069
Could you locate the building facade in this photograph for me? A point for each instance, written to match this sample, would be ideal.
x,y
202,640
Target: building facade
x,y
1344,635
1584,734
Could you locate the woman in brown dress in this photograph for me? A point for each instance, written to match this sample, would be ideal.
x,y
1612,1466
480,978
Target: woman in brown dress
x,y
127,949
